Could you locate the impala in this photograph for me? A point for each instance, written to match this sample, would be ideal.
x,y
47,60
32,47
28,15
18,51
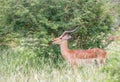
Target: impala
x,y
95,56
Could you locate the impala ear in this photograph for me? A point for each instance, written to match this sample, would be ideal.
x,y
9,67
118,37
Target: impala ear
x,y
69,36
66,37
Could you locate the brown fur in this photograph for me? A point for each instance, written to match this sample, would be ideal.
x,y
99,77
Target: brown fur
x,y
75,57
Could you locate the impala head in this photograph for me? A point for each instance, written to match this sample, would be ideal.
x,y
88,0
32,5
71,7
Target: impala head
x,y
64,37
60,39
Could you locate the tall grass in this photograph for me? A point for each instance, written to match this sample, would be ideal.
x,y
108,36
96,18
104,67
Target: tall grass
x,y
21,64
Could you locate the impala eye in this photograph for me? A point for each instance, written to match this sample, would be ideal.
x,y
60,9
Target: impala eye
x,y
60,38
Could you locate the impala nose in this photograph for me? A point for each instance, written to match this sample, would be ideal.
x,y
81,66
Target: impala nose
x,y
50,42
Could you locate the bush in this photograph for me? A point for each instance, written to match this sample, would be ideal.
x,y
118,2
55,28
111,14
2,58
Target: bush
x,y
47,19
52,17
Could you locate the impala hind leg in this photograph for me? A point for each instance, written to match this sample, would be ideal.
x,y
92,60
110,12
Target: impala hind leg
x,y
96,63
103,62
100,62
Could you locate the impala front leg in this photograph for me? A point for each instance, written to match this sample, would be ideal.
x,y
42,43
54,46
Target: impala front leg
x,y
73,64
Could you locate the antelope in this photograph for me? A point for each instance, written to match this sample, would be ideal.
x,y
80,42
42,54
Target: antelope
x,y
94,56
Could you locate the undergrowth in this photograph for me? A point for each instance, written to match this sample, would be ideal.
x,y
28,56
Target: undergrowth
x,y
21,64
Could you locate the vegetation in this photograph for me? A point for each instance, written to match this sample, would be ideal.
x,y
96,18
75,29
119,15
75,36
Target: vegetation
x,y
27,26
43,19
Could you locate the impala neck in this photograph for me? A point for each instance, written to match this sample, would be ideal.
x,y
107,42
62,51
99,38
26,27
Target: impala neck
x,y
64,46
64,49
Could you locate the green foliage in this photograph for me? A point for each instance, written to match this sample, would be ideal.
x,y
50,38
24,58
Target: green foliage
x,y
27,26
52,17
33,23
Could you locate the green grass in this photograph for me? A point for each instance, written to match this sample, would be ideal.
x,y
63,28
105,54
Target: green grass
x,y
21,64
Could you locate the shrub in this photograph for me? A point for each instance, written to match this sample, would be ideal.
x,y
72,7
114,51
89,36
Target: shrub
x,y
52,17
46,19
